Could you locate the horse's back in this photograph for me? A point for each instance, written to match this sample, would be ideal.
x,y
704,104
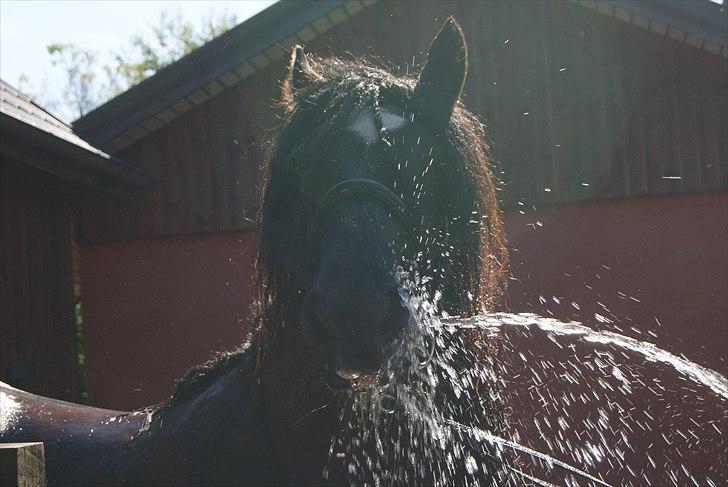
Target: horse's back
x,y
77,439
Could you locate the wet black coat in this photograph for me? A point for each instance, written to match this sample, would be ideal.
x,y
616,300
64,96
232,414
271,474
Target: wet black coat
x,y
216,436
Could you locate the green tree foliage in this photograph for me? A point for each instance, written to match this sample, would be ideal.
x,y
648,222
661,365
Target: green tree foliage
x,y
170,39
83,89
89,82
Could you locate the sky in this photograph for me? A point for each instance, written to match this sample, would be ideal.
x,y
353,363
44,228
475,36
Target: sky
x,y
28,26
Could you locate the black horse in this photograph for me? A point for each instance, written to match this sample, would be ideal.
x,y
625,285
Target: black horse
x,y
378,192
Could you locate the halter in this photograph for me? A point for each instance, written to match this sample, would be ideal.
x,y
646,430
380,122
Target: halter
x,y
352,188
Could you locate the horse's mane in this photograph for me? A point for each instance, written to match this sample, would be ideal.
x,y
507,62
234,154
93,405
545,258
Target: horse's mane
x,y
314,115
200,377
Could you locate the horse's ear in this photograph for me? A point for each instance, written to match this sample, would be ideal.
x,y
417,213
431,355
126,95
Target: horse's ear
x,y
300,74
442,78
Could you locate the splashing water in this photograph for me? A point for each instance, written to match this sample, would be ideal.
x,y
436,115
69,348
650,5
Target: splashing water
x,y
621,407
532,400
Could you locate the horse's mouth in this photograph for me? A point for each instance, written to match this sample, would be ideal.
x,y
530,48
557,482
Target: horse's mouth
x,y
338,383
335,382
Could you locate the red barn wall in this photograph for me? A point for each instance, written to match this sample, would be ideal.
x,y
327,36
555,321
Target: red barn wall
x,y
155,307
169,303
657,264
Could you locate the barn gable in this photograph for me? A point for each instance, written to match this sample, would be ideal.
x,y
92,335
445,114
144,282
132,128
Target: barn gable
x,y
267,37
559,85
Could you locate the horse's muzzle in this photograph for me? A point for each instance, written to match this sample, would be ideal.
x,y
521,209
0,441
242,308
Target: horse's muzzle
x,y
355,337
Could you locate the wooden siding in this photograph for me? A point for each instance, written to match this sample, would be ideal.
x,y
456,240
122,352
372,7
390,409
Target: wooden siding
x,y
578,106
207,162
36,307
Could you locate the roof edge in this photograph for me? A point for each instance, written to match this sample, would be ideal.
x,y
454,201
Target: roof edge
x,y
96,170
223,62
702,24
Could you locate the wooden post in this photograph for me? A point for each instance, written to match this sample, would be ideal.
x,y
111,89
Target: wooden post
x,y
22,465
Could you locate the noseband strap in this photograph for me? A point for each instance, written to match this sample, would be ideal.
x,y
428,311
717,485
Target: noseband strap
x,y
352,188
364,187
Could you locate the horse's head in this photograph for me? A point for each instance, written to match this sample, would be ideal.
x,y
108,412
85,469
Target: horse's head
x,y
369,176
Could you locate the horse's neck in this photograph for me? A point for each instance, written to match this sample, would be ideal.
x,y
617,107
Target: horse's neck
x,y
303,417
218,430
224,397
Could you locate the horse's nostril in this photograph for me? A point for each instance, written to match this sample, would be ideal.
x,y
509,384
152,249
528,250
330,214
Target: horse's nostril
x,y
396,317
